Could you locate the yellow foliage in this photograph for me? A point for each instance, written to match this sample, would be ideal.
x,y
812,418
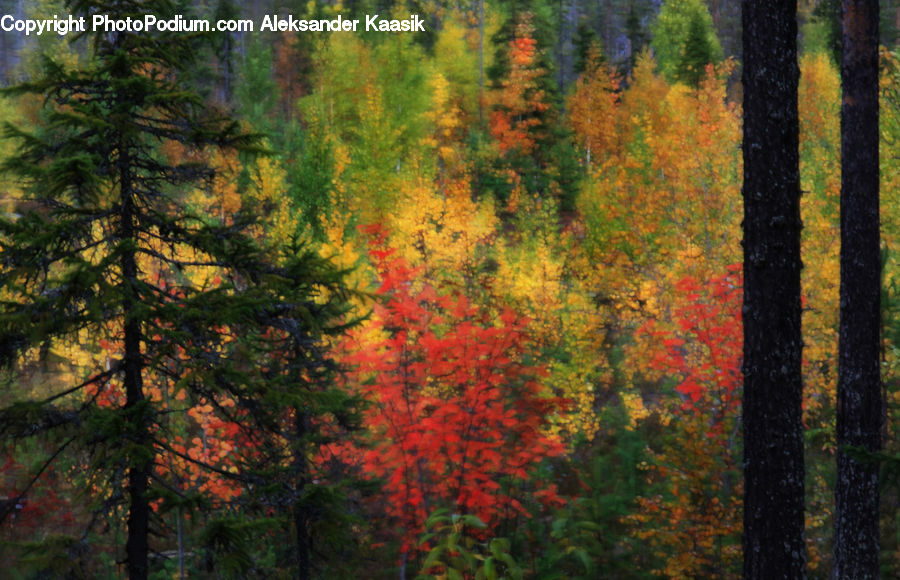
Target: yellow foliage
x,y
653,213
456,60
441,230
634,405
340,247
819,96
269,194
448,127
534,274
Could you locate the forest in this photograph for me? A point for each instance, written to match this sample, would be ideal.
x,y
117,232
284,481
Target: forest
x,y
462,300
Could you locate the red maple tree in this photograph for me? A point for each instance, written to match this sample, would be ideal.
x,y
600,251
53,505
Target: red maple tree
x,y
457,416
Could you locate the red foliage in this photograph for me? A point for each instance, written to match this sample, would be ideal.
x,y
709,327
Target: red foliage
x,y
457,417
25,509
706,350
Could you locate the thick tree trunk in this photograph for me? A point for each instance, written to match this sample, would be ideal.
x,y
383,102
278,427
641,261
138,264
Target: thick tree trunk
x,y
859,405
773,439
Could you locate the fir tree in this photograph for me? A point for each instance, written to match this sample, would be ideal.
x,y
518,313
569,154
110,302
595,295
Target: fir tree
x,y
698,52
683,35
106,247
634,29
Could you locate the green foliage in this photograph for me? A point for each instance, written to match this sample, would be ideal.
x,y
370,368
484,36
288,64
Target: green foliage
x,y
50,46
368,110
588,51
823,29
512,13
458,553
228,544
684,40
189,305
56,556
888,25
698,52
635,31
566,174
311,178
827,17
591,536
256,92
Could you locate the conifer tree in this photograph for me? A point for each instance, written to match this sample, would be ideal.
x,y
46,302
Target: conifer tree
x,y
106,247
698,52
684,36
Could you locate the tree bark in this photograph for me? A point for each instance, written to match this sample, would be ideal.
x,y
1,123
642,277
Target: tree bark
x,y
137,544
300,510
859,406
773,439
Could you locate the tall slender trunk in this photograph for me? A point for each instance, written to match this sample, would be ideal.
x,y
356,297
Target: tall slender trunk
x,y
137,545
301,517
608,31
480,61
859,405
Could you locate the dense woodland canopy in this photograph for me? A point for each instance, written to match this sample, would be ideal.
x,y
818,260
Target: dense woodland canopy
x,y
462,303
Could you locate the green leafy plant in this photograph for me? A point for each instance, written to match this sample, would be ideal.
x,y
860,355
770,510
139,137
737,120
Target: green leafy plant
x,y
458,553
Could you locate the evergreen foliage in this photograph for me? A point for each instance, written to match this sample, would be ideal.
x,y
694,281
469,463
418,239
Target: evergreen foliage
x,y
827,14
684,40
107,248
698,52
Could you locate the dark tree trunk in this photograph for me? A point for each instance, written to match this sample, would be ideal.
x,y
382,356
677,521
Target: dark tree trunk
x,y
859,404
301,515
608,31
480,61
136,546
773,438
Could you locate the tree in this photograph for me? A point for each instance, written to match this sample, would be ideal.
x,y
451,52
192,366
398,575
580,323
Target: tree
x,y
772,416
113,249
592,108
699,51
458,416
695,526
860,406
519,102
684,37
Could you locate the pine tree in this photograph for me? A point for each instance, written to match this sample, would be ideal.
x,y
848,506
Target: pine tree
x,y
108,248
636,33
684,36
697,53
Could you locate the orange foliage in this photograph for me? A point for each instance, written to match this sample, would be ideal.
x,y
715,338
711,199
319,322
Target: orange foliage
x,y
592,111
519,101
